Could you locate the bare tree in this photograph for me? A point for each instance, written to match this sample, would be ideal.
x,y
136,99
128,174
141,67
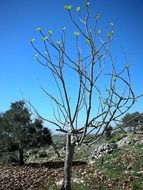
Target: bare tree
x,y
102,93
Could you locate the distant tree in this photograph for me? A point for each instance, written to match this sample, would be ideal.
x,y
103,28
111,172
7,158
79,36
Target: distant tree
x,y
108,131
101,93
38,135
132,121
20,132
17,121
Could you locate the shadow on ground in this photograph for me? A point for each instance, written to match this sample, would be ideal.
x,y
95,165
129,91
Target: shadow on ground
x,y
53,164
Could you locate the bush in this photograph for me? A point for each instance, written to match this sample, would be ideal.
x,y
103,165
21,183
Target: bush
x,y
42,153
8,157
117,137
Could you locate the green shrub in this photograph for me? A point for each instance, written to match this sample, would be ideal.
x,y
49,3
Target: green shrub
x,y
42,153
117,137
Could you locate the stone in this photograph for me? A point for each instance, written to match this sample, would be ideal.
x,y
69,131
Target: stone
x,y
102,150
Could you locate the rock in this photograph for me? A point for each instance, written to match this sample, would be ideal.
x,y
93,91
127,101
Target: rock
x,y
140,142
102,150
124,141
59,183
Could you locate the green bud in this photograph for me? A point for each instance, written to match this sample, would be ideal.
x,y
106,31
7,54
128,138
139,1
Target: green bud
x,y
36,56
109,34
87,3
78,9
97,16
33,40
67,7
76,33
50,32
45,38
38,29
64,28
87,41
111,24
58,42
127,65
98,31
114,78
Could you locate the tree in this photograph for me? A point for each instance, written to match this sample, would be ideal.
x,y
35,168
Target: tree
x,y
17,121
38,135
108,131
20,132
132,121
102,94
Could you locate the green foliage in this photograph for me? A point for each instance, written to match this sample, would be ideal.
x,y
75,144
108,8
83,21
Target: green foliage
x,y
32,40
108,131
127,65
45,38
38,29
97,16
50,32
132,121
9,157
98,31
82,153
114,78
76,33
87,41
67,7
42,154
87,3
117,137
64,28
19,132
36,56
77,186
52,186
38,135
58,42
78,9
111,24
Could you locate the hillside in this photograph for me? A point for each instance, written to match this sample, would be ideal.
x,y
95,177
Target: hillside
x,y
120,170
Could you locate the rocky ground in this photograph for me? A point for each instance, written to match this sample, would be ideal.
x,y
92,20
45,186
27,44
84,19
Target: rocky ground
x,y
119,169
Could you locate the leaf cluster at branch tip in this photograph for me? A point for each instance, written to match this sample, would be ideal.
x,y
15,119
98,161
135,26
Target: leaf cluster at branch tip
x,y
50,32
67,7
78,9
111,24
98,31
38,29
64,28
97,16
58,42
114,78
76,33
33,40
109,34
45,38
87,3
35,56
127,65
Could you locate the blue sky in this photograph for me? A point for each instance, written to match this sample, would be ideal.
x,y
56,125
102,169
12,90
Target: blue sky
x,y
21,76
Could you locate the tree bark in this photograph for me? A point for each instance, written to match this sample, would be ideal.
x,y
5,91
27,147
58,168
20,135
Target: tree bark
x,y
21,159
68,163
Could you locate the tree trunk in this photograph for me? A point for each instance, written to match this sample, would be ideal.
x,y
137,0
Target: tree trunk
x,y
55,149
21,159
68,163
